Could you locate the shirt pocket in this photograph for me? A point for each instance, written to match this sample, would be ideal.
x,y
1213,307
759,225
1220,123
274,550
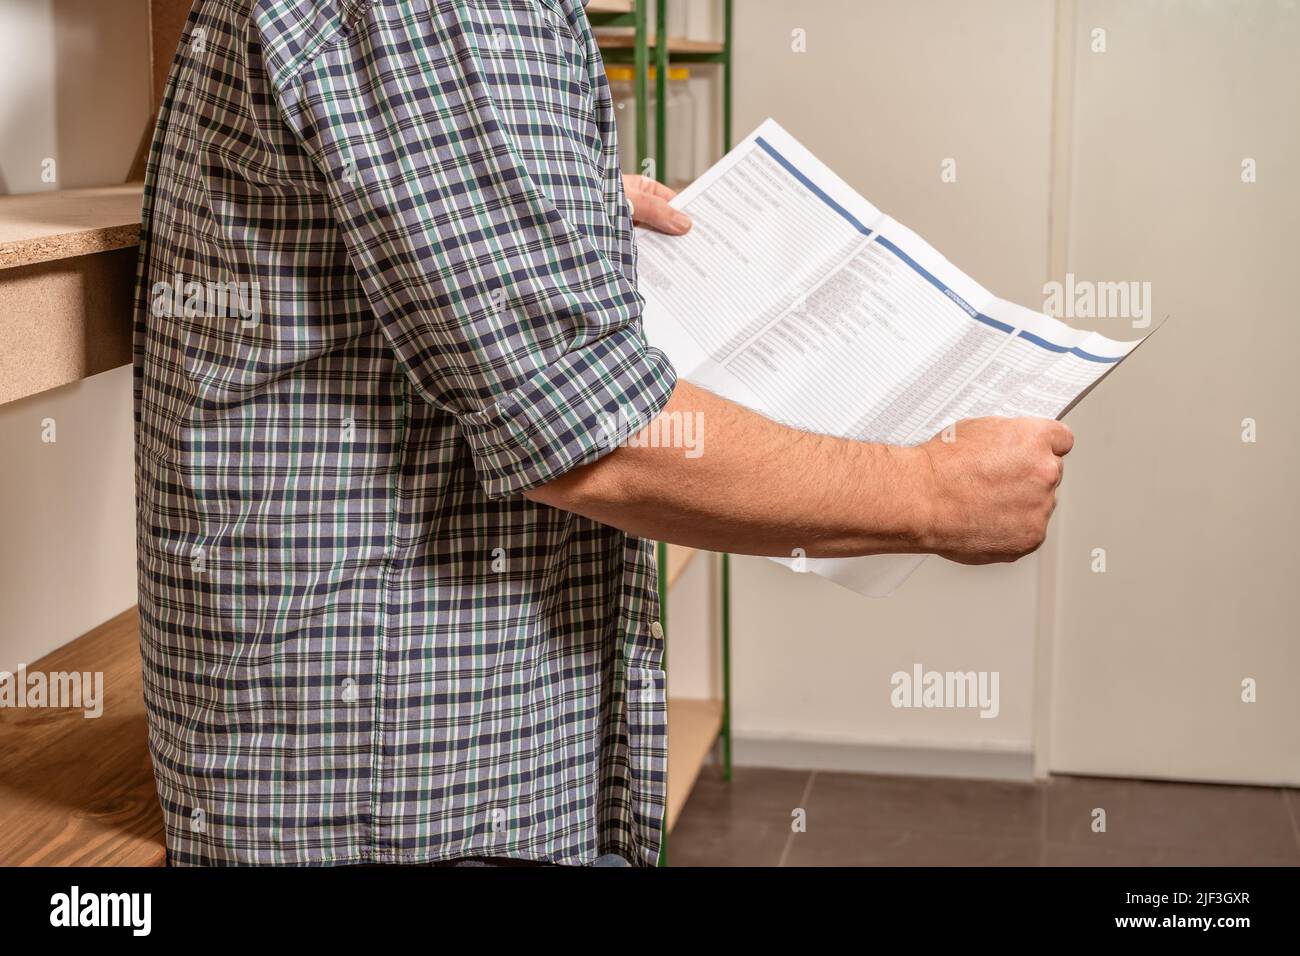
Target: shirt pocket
x,y
647,742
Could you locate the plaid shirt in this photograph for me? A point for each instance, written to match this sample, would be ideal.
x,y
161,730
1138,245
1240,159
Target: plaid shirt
x,y
387,283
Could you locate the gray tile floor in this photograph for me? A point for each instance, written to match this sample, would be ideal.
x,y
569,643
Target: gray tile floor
x,y
861,820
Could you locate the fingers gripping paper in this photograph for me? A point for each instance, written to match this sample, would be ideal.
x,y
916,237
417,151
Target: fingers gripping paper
x,y
795,296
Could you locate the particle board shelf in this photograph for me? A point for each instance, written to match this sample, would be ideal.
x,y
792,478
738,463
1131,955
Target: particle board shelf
x,y
693,728
77,790
63,223
67,278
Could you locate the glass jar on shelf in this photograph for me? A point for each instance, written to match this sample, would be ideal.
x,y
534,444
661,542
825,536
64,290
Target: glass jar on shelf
x,y
679,117
622,91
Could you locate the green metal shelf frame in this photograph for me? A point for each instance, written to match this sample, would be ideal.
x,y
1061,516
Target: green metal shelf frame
x,y
639,57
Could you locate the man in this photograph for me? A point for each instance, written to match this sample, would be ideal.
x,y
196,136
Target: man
x,y
398,603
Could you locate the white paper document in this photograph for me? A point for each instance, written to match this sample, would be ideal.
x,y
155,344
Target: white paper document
x,y
795,296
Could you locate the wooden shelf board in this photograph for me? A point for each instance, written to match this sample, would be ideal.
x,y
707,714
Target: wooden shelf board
x,y
624,41
693,727
609,6
79,791
678,558
62,223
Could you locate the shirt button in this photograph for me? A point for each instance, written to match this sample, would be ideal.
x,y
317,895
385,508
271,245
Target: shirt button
x,y
657,631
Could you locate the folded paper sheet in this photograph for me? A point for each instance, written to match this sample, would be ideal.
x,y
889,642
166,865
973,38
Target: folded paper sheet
x,y
795,296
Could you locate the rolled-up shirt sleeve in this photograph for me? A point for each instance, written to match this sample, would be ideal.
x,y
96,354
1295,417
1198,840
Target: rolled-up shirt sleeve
x,y
464,169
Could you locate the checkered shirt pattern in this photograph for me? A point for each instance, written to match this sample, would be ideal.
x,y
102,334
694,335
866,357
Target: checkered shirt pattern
x,y
386,284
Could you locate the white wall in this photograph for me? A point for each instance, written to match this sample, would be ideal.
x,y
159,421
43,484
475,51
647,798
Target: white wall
x,y
74,85
67,515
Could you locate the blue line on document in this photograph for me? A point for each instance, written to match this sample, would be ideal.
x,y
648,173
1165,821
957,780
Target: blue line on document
x,y
920,270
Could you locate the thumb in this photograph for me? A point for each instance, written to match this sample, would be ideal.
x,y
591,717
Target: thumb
x,y
653,211
1061,438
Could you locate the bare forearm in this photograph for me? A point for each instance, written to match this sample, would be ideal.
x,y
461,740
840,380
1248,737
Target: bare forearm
x,y
754,487
981,492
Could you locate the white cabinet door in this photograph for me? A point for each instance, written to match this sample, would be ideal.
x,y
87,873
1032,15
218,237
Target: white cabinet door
x,y
1200,529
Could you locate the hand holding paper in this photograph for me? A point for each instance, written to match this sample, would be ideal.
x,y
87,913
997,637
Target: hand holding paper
x,y
795,296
